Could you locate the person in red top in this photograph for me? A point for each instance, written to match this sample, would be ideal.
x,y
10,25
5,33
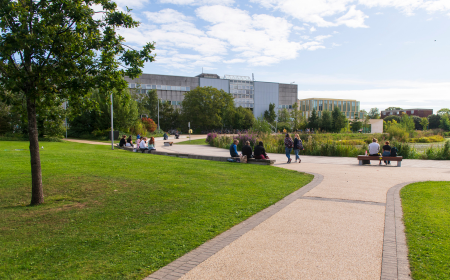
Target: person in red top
x,y
289,144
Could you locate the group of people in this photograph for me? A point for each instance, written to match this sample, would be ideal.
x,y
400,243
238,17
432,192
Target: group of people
x,y
143,143
296,145
259,153
374,149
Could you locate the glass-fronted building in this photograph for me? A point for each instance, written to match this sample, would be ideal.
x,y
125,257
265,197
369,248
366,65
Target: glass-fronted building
x,y
248,93
349,107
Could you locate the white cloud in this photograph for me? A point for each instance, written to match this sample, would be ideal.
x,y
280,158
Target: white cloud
x,y
312,29
336,45
235,60
321,37
259,39
198,2
323,13
298,28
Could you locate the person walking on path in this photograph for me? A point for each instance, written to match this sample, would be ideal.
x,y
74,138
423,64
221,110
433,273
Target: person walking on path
x,y
298,146
288,144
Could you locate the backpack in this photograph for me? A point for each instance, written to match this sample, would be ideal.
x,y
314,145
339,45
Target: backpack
x,y
300,145
394,152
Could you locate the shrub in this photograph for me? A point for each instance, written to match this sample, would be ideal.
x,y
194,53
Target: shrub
x,y
149,124
398,133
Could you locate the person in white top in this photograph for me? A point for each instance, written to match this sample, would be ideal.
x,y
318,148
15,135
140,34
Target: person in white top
x,y
143,144
374,147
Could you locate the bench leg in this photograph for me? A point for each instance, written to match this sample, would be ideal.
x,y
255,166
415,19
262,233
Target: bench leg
x,y
360,162
399,164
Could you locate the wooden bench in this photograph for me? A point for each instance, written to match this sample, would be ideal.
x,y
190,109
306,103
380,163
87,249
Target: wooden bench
x,y
257,161
369,158
168,143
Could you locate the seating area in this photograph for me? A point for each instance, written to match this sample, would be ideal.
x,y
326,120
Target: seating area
x,y
366,159
214,158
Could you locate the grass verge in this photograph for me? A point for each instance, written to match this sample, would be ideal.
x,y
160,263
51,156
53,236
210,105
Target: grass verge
x,y
121,215
426,213
194,142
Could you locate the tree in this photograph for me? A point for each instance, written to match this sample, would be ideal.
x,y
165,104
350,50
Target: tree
x,y
393,117
443,111
207,107
374,113
283,115
243,118
54,51
434,121
356,125
150,103
393,108
424,123
261,125
296,118
326,121
339,120
407,123
313,120
444,123
270,115
417,120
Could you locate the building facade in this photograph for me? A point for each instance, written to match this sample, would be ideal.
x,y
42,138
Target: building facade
x,y
246,92
350,107
423,113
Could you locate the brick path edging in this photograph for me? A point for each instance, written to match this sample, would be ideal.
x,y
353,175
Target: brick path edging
x,y
187,262
395,264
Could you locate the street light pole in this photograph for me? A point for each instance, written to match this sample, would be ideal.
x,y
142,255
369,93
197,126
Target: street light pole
x,y
65,108
112,124
159,128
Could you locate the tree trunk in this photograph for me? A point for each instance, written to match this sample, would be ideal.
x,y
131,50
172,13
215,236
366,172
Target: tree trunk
x,y
37,191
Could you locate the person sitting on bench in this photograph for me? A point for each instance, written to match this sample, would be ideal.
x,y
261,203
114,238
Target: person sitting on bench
x,y
260,152
374,148
247,150
123,141
386,152
129,142
233,148
151,144
143,144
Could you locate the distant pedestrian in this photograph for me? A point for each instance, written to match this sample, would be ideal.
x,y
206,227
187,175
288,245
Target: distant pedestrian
x,y
151,144
298,146
288,144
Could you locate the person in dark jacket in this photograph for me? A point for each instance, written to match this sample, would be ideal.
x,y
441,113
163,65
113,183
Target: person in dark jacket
x,y
298,145
166,137
260,152
123,141
386,152
247,150
130,141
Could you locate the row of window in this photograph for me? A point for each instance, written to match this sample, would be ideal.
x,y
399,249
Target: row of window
x,y
240,87
172,102
245,105
241,82
398,112
329,105
243,96
349,115
285,106
161,87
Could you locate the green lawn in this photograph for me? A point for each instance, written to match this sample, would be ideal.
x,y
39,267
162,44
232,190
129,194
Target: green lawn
x,y
194,142
426,211
121,215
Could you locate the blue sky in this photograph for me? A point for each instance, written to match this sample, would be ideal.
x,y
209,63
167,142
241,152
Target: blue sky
x,y
381,52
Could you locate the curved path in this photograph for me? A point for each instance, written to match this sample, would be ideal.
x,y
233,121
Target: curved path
x,y
343,225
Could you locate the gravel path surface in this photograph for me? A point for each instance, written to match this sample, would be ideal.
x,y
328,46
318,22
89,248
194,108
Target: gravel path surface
x,y
333,231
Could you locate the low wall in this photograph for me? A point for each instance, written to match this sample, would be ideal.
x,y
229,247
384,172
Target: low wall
x,y
191,156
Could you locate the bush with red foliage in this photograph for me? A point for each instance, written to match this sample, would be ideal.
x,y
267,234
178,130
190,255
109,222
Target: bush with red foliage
x,y
149,124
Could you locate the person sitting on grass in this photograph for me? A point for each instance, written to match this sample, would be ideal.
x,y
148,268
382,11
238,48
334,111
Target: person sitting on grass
x,y
374,148
386,152
233,148
151,144
143,144
247,150
123,141
260,152
129,142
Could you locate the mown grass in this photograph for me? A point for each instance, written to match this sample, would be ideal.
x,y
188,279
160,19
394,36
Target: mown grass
x,y
121,215
194,142
426,213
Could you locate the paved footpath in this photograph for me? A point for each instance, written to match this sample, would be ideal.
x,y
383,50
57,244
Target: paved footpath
x,y
345,225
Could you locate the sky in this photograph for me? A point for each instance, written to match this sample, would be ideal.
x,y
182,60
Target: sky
x,y
381,52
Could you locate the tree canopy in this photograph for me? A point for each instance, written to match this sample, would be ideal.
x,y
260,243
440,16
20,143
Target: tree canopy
x,y
393,108
374,113
443,111
208,108
56,51
270,115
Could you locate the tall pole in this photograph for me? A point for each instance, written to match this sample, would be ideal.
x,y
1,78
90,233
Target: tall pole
x,y
159,128
112,124
65,108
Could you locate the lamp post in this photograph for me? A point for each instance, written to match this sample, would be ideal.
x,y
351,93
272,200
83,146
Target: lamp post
x,y
65,108
112,124
159,128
